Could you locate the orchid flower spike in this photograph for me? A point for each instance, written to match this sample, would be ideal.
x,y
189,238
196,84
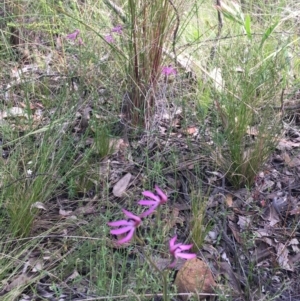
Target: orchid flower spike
x,y
72,36
176,251
127,226
118,29
80,42
168,70
109,39
155,200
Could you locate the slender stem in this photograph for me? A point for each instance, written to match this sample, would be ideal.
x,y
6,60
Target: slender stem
x,y
163,274
165,285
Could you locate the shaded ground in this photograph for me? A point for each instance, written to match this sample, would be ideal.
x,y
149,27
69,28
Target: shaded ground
x,y
252,245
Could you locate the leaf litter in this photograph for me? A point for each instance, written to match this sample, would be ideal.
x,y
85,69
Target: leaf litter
x,y
262,213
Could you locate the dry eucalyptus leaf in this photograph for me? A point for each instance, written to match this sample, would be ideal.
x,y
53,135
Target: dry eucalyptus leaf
x,y
38,205
283,257
38,266
270,214
287,145
228,200
18,281
74,275
294,244
291,162
117,144
244,222
192,131
65,212
295,211
121,186
87,209
235,231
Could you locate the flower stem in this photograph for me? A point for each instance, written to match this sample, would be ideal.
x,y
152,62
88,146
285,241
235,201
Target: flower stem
x,y
163,274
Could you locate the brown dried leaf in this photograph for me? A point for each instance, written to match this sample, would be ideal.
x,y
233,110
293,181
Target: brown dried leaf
x,y
192,131
294,243
18,281
121,186
252,131
38,205
261,253
88,209
74,275
280,204
290,162
283,257
37,264
244,222
64,213
117,144
271,215
295,211
263,235
235,231
287,144
161,263
228,200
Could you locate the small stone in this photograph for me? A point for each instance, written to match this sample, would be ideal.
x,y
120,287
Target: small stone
x,y
194,277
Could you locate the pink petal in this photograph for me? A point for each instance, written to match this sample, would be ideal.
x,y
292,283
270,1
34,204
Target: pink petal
x,y
109,38
121,230
72,36
186,256
151,195
172,242
127,237
175,248
147,202
119,223
161,194
131,215
185,247
80,42
172,264
168,70
118,29
149,211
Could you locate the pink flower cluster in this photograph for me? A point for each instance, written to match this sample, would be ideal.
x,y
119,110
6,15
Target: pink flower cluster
x,y
129,226
118,30
73,36
168,70
176,251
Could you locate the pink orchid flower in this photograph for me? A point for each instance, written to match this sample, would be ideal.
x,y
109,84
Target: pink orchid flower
x,y
176,251
118,29
109,39
127,226
156,200
168,70
72,36
80,42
